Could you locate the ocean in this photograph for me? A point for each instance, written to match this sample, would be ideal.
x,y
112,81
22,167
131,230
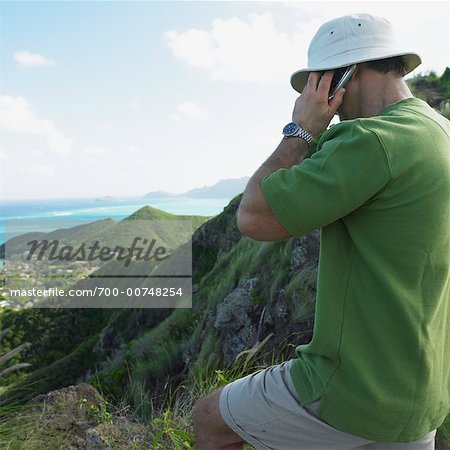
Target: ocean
x,y
23,216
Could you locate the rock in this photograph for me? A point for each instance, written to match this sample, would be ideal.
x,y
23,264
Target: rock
x,y
70,398
234,321
253,310
305,252
109,343
77,418
214,239
94,440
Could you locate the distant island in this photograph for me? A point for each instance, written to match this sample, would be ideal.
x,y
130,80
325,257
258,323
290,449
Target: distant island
x,y
106,198
227,188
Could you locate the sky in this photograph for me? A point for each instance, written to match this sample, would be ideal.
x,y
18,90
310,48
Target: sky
x,y
119,98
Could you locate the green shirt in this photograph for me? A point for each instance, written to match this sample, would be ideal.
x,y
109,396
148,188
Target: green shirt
x,y
379,189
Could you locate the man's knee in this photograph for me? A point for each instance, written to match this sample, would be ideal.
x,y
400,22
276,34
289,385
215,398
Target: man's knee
x,y
199,412
211,431
206,410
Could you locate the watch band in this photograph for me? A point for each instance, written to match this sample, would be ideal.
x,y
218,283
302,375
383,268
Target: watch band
x,y
294,130
303,134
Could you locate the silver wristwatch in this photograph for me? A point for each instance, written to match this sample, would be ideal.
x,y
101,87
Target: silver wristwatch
x,y
294,130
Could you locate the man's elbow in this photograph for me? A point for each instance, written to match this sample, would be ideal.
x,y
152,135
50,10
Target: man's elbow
x,y
259,228
248,224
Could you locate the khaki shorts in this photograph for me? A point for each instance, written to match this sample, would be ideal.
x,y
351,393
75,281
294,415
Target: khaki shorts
x,y
264,409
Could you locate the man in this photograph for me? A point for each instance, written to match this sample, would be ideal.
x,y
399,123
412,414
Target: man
x,y
376,374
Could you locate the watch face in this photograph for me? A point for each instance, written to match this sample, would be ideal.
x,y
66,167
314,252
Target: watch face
x,y
290,129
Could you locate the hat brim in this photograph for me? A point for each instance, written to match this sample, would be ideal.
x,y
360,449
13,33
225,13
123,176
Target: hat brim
x,y
300,77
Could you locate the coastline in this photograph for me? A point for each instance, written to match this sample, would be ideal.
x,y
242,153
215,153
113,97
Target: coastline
x,y
22,216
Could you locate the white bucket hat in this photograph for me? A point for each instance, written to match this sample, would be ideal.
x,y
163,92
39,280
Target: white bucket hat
x,y
349,40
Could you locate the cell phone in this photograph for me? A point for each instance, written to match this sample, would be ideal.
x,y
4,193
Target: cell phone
x,y
340,79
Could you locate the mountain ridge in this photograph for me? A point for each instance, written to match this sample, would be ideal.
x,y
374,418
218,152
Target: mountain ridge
x,y
226,188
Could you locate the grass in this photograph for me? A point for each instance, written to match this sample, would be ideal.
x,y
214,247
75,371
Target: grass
x,y
269,261
147,363
169,425
208,353
12,426
172,423
7,359
434,89
303,297
168,415
443,435
446,111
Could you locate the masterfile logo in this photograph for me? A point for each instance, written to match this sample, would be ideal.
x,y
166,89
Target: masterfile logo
x,y
130,263
56,251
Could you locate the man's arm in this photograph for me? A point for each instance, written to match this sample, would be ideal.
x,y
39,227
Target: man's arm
x,y
255,218
313,112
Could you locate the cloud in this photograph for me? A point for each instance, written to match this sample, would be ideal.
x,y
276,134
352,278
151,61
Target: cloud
x,y
35,153
135,105
191,111
17,115
94,151
27,59
410,33
3,156
194,47
134,149
94,154
40,170
251,50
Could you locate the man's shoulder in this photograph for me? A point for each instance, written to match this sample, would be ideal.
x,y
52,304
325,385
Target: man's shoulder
x,y
350,132
411,118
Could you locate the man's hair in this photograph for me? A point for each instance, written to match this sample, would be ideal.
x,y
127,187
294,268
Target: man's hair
x,y
396,65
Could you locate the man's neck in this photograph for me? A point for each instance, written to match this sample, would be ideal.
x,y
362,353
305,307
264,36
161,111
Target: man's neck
x,y
383,94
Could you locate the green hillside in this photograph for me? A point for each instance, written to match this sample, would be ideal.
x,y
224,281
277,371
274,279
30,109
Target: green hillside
x,y
111,233
151,213
434,89
104,248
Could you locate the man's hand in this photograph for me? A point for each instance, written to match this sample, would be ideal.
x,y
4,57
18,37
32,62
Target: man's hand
x,y
312,110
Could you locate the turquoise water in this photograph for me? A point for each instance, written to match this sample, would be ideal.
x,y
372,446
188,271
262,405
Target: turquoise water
x,y
18,217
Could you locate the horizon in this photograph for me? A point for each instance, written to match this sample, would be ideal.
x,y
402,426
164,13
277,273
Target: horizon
x,y
119,197
124,98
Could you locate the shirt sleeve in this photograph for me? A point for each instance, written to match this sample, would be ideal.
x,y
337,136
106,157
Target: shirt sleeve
x,y
349,169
